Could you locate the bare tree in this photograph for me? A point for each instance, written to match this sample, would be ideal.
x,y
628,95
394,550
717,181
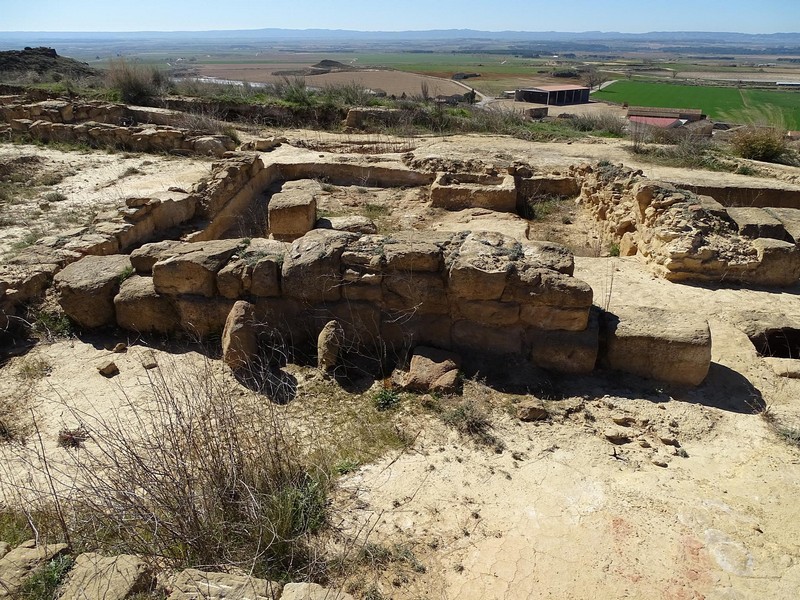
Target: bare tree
x,y
594,78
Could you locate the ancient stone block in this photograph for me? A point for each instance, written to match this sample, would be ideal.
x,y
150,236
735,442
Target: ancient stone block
x,y
193,267
201,316
566,351
140,308
192,584
293,210
464,190
756,223
482,338
311,270
86,288
432,370
97,577
674,347
240,337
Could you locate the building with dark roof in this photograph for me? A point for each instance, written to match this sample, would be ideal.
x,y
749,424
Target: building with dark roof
x,y
555,95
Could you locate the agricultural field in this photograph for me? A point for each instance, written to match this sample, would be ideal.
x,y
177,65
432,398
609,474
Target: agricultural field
x,y
773,107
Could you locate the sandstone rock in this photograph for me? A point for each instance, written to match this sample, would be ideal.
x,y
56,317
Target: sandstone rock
x,y
617,436
628,245
483,219
756,222
143,258
572,352
409,292
433,370
108,368
674,347
5,548
489,312
240,337
785,367
231,279
192,584
790,219
353,224
410,255
139,308
493,340
86,289
329,343
311,269
193,267
200,316
18,564
532,410
216,145
548,255
293,210
97,577
312,591
778,263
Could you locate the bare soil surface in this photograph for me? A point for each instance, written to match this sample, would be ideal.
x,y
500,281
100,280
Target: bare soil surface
x,y
699,501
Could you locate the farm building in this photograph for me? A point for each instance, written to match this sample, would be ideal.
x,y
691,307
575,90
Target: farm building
x,y
674,114
557,95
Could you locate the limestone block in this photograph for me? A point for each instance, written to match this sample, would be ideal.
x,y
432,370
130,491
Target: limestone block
x,y
192,584
463,190
240,337
489,312
433,370
548,255
572,352
674,347
329,342
202,316
292,211
97,577
144,257
86,288
790,219
193,267
311,269
409,255
140,308
415,292
18,564
551,318
542,286
231,279
756,222
778,263
486,339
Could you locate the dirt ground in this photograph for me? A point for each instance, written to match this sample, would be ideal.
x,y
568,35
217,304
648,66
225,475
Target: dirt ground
x,y
700,504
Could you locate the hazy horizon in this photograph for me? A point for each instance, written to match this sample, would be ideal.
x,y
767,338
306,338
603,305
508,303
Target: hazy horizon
x,y
611,16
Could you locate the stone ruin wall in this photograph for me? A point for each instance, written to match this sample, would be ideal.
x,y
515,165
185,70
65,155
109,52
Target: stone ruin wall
x,y
476,292
688,237
103,124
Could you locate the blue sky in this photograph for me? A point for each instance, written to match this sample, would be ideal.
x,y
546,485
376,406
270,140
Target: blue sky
x,y
748,16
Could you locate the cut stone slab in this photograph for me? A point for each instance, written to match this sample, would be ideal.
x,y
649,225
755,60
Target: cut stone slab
x,y
790,219
312,591
98,577
192,584
140,308
18,564
674,347
573,352
193,267
756,222
143,258
484,219
86,288
292,211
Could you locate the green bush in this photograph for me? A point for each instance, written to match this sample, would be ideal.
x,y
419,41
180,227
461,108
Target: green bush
x,y
136,84
758,143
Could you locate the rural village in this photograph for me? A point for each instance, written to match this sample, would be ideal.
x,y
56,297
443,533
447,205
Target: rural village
x,y
312,326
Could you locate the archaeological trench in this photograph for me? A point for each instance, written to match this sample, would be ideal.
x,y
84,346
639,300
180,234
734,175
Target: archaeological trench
x,y
248,236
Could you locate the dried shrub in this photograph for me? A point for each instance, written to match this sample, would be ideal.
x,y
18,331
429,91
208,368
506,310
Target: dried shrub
x,y
760,143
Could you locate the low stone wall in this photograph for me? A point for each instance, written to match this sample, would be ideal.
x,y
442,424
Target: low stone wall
x,y
453,191
474,292
684,236
100,124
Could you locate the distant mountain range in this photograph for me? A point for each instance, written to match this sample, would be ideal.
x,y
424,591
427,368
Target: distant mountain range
x,y
693,37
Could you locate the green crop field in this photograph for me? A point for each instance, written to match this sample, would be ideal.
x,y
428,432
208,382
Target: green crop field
x,y
775,107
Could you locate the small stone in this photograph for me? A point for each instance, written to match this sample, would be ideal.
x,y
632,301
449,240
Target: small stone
x,y
659,463
149,364
623,421
669,441
645,444
108,369
617,437
120,348
532,410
